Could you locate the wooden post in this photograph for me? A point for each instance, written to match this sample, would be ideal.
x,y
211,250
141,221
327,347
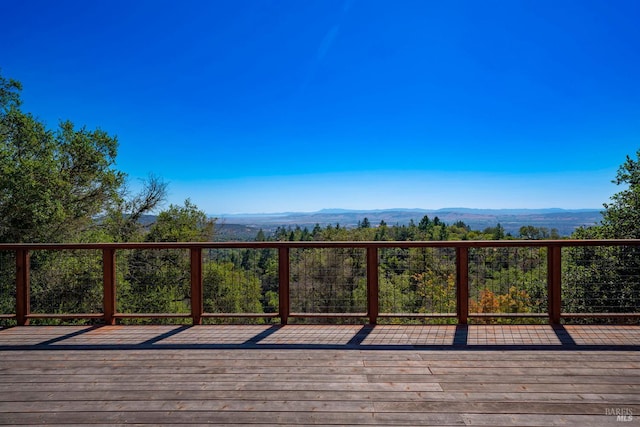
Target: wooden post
x,y
23,304
554,283
283,284
462,284
196,286
373,306
109,285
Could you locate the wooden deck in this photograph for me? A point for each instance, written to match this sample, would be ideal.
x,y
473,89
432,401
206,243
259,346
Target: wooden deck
x,y
321,375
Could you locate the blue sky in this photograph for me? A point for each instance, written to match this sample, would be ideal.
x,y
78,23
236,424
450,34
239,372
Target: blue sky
x,y
296,105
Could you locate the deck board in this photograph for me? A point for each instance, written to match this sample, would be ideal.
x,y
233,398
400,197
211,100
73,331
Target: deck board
x,y
260,375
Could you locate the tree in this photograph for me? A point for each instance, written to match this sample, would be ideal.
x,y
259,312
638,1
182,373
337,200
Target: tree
x,y
424,223
182,224
530,232
365,223
621,218
606,278
9,94
260,237
52,183
498,232
122,222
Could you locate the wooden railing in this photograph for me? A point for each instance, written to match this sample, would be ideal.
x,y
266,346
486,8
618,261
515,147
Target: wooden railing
x,y
460,253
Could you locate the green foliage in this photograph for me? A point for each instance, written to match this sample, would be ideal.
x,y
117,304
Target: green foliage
x,y
228,289
607,279
365,223
66,282
529,232
155,281
435,295
599,279
182,224
7,283
621,218
52,183
426,230
60,185
9,95
395,294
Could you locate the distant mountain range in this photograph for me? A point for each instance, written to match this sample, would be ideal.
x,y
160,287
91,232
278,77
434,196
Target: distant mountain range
x,y
242,226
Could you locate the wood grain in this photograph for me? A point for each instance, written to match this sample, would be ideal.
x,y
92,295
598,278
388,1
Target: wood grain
x,y
248,385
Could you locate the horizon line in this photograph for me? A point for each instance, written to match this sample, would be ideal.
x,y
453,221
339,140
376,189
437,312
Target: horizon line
x,y
377,210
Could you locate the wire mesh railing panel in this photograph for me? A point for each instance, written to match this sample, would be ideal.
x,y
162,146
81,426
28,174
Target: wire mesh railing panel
x,y
328,280
7,282
508,280
417,281
240,281
601,279
153,281
66,281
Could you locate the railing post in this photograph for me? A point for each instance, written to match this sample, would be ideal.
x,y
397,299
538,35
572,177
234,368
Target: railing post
x,y
554,283
283,284
23,303
196,286
462,284
109,285
373,305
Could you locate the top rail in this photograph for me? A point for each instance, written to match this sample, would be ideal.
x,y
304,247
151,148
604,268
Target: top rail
x,y
326,244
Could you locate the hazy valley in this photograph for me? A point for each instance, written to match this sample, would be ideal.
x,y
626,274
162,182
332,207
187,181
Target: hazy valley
x,y
245,226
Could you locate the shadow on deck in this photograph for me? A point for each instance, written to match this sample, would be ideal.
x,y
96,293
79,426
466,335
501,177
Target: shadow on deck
x,y
334,337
